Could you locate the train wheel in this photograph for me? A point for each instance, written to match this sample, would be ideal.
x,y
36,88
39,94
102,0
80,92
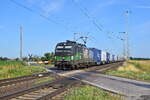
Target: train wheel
x,y
73,67
76,67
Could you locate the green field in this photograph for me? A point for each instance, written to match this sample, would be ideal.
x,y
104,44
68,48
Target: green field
x,y
134,69
11,69
86,92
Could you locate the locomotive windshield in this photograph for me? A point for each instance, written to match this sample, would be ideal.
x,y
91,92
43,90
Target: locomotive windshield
x,y
60,47
63,50
68,47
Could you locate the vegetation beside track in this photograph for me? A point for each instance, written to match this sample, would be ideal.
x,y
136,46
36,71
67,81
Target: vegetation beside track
x,y
11,69
86,92
134,69
43,80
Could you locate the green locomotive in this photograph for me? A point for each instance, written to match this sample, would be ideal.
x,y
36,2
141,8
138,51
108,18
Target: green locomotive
x,y
71,55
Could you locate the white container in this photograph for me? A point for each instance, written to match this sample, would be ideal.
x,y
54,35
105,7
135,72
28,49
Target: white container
x,y
103,57
111,57
115,58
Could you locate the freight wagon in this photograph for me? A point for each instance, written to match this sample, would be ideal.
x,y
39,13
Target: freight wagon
x,y
112,58
105,57
96,57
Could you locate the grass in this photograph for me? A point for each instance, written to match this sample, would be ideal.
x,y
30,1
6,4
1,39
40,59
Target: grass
x,y
48,65
134,69
11,69
86,92
43,80
143,65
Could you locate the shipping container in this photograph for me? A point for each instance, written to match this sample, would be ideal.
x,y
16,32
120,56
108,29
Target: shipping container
x,y
115,58
111,58
96,56
107,57
103,57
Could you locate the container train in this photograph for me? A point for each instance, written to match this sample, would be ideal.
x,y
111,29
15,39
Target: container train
x,y
73,55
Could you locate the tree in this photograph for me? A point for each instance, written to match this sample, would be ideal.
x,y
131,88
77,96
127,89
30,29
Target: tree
x,y
43,58
4,58
25,58
47,56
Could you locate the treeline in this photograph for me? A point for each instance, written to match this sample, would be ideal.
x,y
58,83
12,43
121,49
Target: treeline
x,y
31,57
45,57
4,58
134,58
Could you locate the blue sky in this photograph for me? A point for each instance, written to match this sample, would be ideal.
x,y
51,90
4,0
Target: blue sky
x,y
41,35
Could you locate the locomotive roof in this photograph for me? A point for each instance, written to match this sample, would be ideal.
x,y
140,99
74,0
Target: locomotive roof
x,y
68,42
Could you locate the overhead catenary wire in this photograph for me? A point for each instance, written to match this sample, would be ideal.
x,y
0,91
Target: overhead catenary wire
x,y
84,11
41,15
94,22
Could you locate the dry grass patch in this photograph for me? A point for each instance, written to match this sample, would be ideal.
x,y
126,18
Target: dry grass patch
x,y
128,67
134,69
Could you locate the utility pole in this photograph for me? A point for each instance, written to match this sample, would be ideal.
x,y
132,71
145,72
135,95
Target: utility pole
x,y
21,41
124,44
127,53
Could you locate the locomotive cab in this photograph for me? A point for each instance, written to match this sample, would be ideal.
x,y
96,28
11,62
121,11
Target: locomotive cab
x,y
63,50
64,54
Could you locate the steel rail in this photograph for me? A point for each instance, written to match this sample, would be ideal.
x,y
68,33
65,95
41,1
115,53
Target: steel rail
x,y
63,82
10,81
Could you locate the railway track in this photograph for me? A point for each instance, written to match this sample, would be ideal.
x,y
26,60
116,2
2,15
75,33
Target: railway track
x,y
5,82
25,90
14,84
96,69
43,91
104,67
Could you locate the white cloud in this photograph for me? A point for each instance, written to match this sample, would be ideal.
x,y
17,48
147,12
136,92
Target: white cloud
x,y
77,0
103,4
48,6
52,6
30,1
142,6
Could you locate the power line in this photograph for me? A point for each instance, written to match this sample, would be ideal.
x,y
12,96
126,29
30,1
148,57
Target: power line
x,y
94,22
85,12
41,15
